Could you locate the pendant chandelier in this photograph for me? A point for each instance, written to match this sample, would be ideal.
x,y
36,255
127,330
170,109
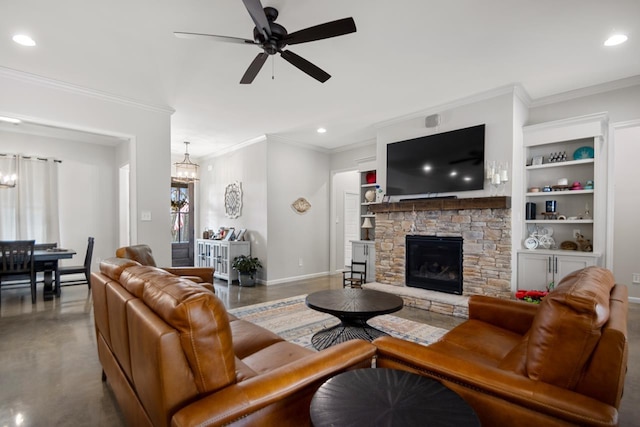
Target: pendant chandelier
x,y
186,170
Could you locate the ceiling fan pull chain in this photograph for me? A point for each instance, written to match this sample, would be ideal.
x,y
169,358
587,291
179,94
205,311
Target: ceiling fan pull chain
x,y
273,67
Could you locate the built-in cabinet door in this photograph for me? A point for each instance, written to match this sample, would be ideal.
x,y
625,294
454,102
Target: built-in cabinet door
x,y
366,252
534,271
565,265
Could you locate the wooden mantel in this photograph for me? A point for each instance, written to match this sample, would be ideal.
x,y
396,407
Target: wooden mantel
x,y
443,204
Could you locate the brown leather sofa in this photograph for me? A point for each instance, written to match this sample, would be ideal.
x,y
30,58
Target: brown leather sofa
x,y
519,364
144,255
174,356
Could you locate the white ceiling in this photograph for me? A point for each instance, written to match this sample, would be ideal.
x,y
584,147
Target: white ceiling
x,y
406,56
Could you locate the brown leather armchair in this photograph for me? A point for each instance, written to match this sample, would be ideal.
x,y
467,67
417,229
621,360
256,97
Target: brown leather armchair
x,y
557,364
143,255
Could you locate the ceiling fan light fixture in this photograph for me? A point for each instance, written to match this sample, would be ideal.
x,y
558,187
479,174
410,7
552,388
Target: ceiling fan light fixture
x,y
186,170
615,40
24,40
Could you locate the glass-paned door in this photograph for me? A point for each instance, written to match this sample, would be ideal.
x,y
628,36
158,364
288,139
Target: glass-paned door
x,y
182,224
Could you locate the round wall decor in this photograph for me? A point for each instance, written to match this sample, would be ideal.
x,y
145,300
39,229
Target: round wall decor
x,y
233,200
301,205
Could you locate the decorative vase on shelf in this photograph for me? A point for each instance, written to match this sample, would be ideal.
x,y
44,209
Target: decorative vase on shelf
x,y
370,196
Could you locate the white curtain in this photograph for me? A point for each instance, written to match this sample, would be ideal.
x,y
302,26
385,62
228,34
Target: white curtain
x,y
30,209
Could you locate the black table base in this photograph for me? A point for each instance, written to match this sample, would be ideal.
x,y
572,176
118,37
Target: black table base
x,y
345,331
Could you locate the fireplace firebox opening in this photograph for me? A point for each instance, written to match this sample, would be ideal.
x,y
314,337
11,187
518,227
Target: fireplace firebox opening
x,y
434,263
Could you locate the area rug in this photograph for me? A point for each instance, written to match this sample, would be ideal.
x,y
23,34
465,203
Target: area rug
x,y
295,322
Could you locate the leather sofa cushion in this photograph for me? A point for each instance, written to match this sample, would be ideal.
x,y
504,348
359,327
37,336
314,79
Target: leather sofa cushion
x,y
275,356
568,326
113,267
197,314
483,340
249,338
140,253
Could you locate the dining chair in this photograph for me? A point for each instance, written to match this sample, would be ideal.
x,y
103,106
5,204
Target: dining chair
x,y
355,277
17,260
77,269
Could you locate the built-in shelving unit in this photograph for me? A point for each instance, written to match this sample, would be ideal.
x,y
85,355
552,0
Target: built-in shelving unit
x,y
581,210
365,205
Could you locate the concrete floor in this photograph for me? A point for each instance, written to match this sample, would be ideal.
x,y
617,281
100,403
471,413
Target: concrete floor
x,y
50,373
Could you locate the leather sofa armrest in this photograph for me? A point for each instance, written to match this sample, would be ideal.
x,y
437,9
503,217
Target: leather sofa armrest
x,y
244,398
514,316
508,386
204,273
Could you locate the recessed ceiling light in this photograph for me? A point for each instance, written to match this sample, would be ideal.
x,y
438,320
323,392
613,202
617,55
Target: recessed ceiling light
x,y
10,120
322,130
615,40
24,40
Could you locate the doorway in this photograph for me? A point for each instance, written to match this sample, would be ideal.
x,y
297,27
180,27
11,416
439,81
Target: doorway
x,y
182,230
351,223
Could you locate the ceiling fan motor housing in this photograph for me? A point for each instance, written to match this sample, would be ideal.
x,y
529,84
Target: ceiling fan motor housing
x,y
276,40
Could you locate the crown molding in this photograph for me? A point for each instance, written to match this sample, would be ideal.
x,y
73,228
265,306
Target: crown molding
x,y
234,147
586,91
353,146
515,89
295,143
80,90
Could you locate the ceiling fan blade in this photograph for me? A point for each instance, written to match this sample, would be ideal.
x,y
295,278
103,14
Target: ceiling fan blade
x,y
322,31
227,39
306,66
254,68
256,11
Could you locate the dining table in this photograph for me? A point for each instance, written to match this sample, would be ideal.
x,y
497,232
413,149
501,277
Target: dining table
x,y
46,261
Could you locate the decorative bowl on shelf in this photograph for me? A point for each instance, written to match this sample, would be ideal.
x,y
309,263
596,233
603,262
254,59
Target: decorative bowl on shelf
x,y
583,153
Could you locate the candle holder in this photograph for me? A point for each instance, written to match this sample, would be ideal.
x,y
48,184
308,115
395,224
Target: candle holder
x,y
497,173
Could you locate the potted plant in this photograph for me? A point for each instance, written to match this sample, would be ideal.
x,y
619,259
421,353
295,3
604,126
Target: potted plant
x,y
247,267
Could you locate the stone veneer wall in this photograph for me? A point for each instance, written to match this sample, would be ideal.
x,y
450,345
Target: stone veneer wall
x,y
486,246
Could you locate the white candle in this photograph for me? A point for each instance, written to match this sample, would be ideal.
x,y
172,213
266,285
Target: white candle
x,y
490,170
503,175
495,179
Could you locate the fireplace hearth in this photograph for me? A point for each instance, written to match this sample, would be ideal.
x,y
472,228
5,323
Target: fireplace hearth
x,y
434,263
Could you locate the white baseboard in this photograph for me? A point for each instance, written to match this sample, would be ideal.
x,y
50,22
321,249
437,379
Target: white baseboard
x,y
295,278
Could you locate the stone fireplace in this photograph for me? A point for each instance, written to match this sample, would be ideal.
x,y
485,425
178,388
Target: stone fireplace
x,y
483,225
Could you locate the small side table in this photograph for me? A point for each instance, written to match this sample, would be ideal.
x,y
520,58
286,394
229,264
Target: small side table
x,y
388,397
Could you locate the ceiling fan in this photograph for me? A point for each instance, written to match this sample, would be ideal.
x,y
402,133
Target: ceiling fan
x,y
272,38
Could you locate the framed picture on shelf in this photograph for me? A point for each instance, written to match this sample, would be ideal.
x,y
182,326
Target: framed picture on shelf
x,y
240,234
229,236
537,160
386,199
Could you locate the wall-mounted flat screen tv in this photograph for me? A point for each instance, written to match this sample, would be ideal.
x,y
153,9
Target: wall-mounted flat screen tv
x,y
441,163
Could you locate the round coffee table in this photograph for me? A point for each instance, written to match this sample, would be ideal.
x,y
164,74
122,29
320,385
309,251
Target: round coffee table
x,y
388,397
353,307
